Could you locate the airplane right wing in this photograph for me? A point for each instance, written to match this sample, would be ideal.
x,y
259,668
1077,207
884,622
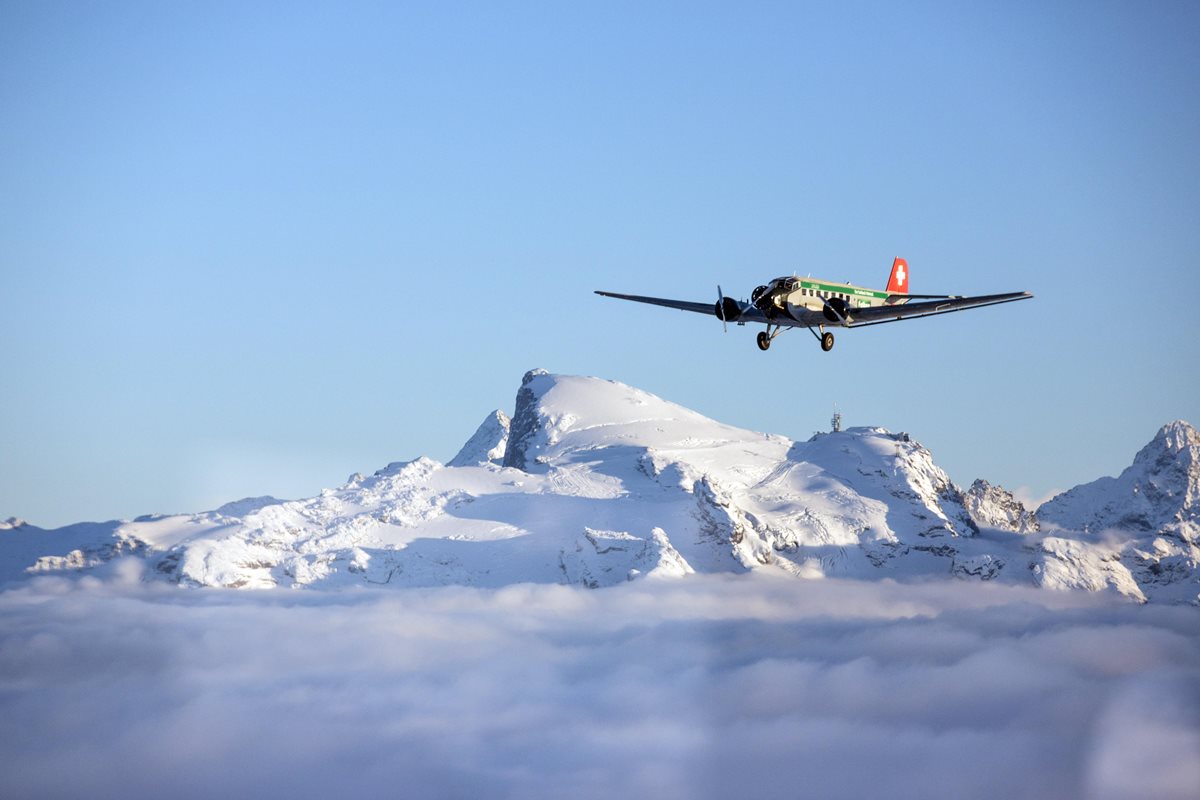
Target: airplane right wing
x,y
682,305
745,311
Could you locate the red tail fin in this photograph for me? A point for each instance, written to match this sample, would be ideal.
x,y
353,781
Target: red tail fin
x,y
898,280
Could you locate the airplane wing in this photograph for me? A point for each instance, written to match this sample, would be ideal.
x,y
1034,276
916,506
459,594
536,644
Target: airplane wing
x,y
682,305
879,315
859,317
746,312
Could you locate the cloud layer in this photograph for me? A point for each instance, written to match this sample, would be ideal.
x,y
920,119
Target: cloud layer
x,y
705,687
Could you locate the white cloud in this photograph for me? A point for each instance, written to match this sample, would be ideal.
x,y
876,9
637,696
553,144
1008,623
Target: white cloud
x,y
705,687
1147,742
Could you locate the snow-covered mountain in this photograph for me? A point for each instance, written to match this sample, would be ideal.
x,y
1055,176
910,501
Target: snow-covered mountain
x,y
1147,519
1160,490
594,482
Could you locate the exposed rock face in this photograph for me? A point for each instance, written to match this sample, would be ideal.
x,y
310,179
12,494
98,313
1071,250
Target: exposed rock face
x,y
995,507
525,424
488,445
88,557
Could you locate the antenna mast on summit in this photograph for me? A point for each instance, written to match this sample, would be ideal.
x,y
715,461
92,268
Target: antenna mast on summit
x,y
836,423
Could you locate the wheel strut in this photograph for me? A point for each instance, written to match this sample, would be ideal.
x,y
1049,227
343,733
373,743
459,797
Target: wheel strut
x,y
824,337
766,337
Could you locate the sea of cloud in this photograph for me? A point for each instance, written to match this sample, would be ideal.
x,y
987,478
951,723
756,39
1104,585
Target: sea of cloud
x,y
739,686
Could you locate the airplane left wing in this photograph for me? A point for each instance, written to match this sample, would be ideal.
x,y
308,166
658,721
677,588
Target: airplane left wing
x,y
878,315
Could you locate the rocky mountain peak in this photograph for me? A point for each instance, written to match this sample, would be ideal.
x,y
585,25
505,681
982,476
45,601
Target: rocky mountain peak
x,y
556,415
488,444
524,423
1160,489
996,507
1178,434
1176,441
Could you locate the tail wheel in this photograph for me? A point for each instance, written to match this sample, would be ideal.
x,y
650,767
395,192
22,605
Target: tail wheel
x,y
764,341
826,341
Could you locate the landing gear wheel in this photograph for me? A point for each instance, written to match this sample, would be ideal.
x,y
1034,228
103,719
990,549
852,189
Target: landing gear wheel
x,y
826,341
764,341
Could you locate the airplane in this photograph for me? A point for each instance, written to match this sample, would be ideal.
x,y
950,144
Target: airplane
x,y
794,302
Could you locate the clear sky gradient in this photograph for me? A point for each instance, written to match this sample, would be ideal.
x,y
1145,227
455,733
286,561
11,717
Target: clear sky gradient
x,y
250,248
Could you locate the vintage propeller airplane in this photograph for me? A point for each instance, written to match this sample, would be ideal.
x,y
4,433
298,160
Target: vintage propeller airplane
x,y
814,304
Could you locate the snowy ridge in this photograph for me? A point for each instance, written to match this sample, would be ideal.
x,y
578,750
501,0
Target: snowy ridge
x,y
593,482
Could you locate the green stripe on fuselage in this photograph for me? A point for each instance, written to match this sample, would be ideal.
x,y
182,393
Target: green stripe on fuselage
x,y
841,288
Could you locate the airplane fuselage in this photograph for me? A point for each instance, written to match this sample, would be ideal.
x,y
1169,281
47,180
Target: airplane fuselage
x,y
793,296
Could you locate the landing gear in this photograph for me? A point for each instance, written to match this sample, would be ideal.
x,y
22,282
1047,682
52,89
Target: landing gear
x,y
824,337
766,337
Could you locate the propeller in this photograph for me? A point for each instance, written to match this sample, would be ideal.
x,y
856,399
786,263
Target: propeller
x,y
721,308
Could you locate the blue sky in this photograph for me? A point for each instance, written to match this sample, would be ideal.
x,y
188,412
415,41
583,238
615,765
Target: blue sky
x,y
251,248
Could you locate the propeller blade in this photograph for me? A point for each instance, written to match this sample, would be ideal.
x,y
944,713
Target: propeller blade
x,y
721,305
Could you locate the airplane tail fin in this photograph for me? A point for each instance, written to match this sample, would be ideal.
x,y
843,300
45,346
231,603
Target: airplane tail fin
x,y
898,280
